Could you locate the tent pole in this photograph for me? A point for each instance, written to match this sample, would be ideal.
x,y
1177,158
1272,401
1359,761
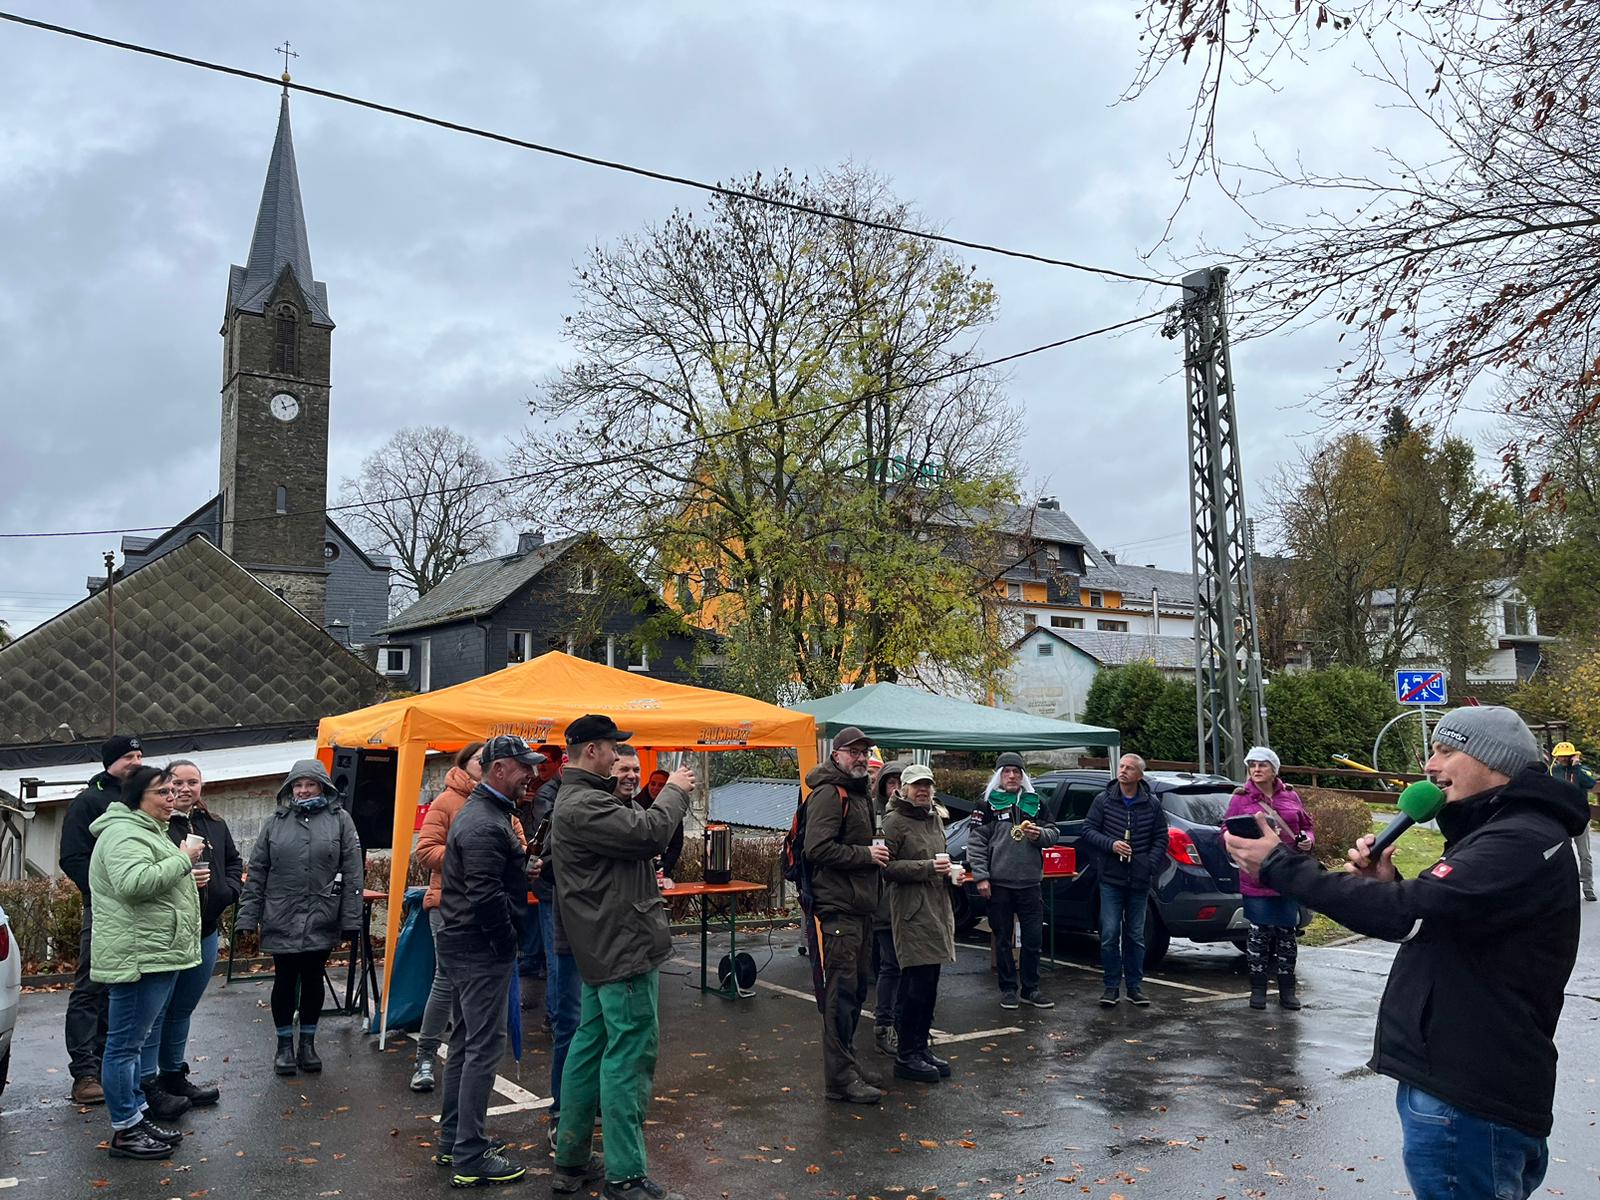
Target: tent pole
x,y
407,788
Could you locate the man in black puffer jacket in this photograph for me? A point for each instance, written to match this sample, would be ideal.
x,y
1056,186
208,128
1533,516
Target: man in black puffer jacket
x,y
1489,936
1127,827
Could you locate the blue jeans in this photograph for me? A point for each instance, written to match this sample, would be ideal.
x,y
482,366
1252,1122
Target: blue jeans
x,y
1453,1155
166,1051
135,1010
564,995
1122,911
533,950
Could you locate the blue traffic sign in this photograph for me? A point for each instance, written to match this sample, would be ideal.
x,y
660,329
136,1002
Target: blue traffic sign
x,y
1419,687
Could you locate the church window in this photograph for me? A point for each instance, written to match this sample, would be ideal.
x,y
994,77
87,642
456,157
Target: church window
x,y
285,340
282,499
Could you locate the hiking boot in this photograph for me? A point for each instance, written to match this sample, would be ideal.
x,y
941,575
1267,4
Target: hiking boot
x,y
137,1143
571,1179
445,1158
495,1170
86,1089
1589,894
888,1040
1037,999
639,1189
1008,999
858,1091
937,1063
283,1061
164,1106
1135,996
916,1069
1109,998
160,1132
1286,993
422,1078
308,1053
176,1083
1258,992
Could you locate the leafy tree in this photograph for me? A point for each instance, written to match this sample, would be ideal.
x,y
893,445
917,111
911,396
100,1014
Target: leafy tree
x,y
1170,724
774,411
1314,715
424,503
1124,698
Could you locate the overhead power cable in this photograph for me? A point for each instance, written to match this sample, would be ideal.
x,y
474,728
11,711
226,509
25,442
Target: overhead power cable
x,y
614,459
576,156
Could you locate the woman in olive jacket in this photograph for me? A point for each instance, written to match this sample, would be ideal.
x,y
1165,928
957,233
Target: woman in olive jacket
x,y
146,929
924,921
304,893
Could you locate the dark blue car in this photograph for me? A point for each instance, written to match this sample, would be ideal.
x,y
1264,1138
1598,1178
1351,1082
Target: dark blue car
x,y
1196,894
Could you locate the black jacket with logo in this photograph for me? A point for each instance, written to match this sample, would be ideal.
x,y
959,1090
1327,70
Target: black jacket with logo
x,y
227,867
1490,935
77,843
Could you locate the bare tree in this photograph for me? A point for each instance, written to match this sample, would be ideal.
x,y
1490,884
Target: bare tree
x,y
776,413
424,503
1471,267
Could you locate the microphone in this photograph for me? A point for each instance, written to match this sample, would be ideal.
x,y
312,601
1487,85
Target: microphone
x,y
1420,802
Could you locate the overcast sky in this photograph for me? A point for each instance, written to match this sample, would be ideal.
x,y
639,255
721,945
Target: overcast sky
x,y
128,186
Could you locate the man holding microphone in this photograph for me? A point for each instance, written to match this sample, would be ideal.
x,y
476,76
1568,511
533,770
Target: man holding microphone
x,y
1489,936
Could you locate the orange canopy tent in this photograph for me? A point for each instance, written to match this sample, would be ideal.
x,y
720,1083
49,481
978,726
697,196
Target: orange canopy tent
x,y
538,700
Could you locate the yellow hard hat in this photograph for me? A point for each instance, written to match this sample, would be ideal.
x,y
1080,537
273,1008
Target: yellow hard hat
x,y
1563,749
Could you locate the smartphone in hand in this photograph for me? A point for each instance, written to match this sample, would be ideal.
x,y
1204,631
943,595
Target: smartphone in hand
x,y
1244,827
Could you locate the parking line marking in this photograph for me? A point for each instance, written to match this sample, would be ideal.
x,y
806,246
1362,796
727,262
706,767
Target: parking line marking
x,y
522,1100
1171,983
1218,997
942,1038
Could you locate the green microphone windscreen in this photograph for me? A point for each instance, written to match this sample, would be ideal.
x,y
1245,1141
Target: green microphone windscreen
x,y
1421,801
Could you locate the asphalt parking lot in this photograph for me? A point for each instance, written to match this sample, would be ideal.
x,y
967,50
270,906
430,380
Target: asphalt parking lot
x,y
1194,1096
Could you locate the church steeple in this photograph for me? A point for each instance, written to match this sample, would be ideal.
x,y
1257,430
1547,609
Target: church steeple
x,y
279,242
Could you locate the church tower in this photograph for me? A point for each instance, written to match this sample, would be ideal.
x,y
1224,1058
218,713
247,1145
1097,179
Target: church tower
x,y
276,341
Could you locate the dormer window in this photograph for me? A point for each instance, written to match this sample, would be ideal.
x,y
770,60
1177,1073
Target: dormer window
x,y
285,341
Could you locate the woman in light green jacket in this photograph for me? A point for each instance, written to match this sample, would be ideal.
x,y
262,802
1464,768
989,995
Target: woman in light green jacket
x,y
146,929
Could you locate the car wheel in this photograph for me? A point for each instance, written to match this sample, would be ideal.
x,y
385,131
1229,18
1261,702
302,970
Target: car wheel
x,y
1156,938
961,906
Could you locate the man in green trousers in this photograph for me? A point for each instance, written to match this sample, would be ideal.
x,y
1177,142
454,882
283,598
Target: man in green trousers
x,y
603,850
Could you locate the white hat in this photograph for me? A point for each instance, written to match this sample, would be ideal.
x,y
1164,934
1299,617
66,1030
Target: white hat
x,y
1263,754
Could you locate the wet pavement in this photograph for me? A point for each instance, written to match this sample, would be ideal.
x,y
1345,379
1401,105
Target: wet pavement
x,y
1193,1097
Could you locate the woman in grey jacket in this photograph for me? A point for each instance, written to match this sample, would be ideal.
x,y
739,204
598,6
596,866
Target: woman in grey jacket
x,y
304,893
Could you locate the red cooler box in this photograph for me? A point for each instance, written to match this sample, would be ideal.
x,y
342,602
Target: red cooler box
x,y
1060,860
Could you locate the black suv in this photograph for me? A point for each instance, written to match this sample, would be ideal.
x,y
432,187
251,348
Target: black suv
x,y
1196,894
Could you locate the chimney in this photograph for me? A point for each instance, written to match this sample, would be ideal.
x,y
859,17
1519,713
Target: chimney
x,y
1050,503
1111,557
529,539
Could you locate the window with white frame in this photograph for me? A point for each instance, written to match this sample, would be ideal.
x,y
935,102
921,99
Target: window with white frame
x,y
394,660
1112,626
1029,620
1058,622
1013,591
519,645
1515,614
640,656
1097,600
585,579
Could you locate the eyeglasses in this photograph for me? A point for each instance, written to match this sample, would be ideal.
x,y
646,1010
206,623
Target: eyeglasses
x,y
158,791
854,751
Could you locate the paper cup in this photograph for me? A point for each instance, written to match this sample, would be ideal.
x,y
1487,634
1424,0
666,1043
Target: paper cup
x,y
194,842
942,859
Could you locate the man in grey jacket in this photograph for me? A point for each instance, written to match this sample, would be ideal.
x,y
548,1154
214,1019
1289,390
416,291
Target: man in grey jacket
x,y
481,903
1007,835
603,850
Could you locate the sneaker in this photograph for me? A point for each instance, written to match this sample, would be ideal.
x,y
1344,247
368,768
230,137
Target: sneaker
x,y
495,1170
915,1069
136,1143
496,1146
639,1189
1038,999
1109,998
1590,896
1135,996
571,1179
1008,999
888,1040
422,1078
858,1092
86,1089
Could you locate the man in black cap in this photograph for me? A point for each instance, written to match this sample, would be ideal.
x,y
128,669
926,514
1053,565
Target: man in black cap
x,y
846,864
602,851
87,1006
481,903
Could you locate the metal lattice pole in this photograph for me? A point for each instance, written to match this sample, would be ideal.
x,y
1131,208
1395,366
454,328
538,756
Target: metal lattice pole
x,y
1228,688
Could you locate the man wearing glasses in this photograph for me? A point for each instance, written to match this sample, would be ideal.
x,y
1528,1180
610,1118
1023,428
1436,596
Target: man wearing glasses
x,y
846,862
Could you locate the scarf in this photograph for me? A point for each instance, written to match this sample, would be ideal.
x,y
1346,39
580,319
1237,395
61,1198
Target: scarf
x,y
315,804
1027,803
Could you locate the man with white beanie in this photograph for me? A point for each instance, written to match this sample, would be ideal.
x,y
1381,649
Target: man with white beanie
x,y
1488,934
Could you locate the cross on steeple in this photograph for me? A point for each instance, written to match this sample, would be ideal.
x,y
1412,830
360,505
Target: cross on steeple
x,y
287,55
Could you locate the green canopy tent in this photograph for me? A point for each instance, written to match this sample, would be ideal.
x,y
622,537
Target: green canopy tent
x,y
904,718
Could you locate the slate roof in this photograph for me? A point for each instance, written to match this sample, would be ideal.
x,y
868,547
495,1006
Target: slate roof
x,y
201,644
279,242
1176,587
1119,649
1047,525
477,589
756,803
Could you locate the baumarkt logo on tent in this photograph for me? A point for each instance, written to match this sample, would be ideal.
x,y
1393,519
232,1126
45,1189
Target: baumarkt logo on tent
x,y
532,732
725,735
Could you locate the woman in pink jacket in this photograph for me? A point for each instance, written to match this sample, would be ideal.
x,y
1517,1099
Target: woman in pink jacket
x,y
1272,917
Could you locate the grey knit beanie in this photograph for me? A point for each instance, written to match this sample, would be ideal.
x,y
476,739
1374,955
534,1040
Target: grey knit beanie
x,y
1494,736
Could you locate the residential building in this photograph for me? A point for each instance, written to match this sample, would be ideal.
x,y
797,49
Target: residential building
x,y
1517,646
1053,669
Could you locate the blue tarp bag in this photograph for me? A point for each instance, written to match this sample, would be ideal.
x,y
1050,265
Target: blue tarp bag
x,y
412,977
